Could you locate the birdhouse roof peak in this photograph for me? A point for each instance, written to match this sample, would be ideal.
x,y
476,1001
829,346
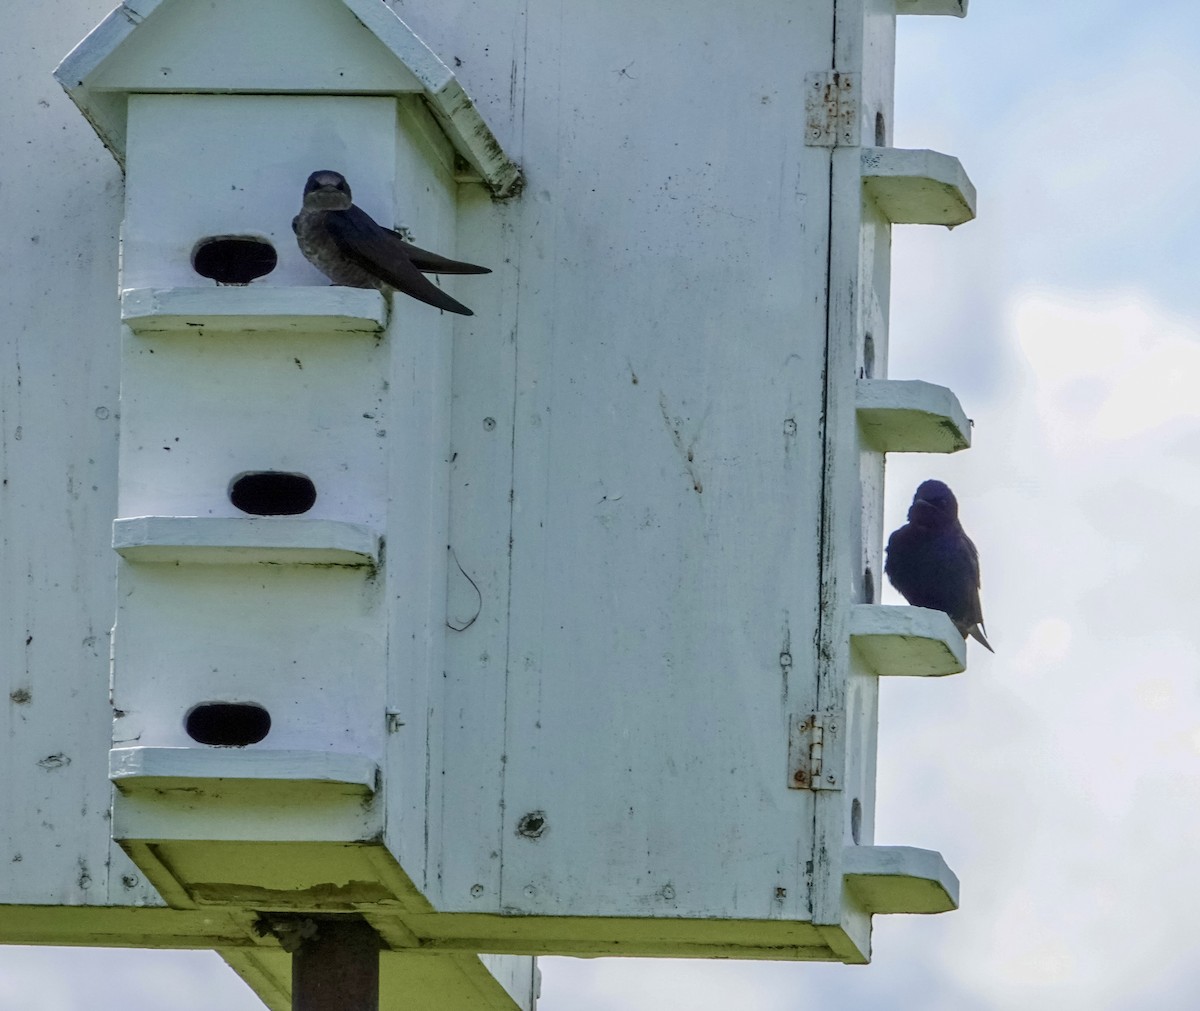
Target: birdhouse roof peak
x,y
341,47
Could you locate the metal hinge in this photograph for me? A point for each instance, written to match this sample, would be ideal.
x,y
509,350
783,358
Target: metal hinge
x,y
815,756
831,109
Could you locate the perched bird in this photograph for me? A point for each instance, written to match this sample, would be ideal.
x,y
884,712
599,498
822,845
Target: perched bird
x,y
933,563
346,245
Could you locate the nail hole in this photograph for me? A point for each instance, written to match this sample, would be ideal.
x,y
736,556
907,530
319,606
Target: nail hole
x,y
272,493
532,825
227,724
233,259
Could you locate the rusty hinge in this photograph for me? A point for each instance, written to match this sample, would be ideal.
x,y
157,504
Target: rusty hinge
x,y
831,109
815,756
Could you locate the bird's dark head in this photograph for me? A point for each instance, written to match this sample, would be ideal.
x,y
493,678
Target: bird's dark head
x,y
326,190
934,505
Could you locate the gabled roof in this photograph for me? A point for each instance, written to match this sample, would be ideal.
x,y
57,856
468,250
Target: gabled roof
x,y
357,47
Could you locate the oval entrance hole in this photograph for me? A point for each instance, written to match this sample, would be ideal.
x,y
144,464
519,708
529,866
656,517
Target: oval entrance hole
x,y
227,724
272,493
233,259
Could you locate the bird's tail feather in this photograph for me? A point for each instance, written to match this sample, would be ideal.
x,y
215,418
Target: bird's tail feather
x,y
976,632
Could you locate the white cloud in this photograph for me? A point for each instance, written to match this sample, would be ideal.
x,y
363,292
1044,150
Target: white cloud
x,y
1109,370
1070,760
108,979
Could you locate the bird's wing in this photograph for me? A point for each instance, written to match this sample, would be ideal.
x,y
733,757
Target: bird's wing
x,y
435,263
383,253
974,552
965,574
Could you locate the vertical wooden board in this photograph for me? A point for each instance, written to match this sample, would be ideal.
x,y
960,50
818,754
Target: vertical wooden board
x,y
425,193
667,462
841,564
874,53
204,165
872,313
420,344
58,452
859,285
465,796
862,710
485,43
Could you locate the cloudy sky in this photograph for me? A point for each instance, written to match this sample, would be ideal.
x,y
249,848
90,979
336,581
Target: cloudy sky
x,y
1059,778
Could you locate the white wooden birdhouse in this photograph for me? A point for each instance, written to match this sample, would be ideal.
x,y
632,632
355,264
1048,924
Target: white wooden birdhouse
x,y
554,628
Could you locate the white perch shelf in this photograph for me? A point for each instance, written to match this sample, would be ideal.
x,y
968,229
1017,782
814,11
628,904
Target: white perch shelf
x,y
918,187
907,641
254,308
226,540
899,879
157,768
192,817
954,8
911,416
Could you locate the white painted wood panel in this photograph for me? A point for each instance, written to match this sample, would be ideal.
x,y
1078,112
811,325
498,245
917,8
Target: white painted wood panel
x,y
252,45
284,637
205,165
198,410
58,448
671,344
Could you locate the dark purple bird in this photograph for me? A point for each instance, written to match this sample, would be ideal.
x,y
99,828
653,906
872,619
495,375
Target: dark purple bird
x,y
933,563
346,245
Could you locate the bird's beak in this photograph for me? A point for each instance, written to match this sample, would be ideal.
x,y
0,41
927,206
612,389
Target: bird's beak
x,y
326,195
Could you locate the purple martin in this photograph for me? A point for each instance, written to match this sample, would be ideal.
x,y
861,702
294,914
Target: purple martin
x,y
933,563
346,245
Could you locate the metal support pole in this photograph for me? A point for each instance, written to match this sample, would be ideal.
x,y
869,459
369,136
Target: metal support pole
x,y
336,968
